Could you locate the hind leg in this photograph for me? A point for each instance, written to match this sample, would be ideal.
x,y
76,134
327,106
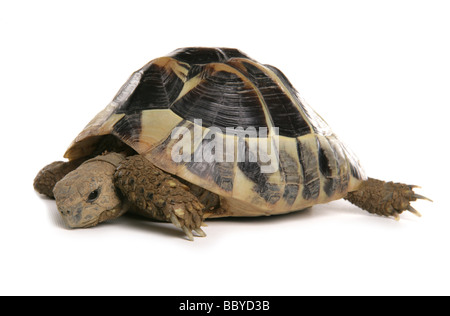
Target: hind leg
x,y
385,198
49,175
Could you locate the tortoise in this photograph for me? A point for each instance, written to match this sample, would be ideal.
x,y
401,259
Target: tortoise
x,y
137,155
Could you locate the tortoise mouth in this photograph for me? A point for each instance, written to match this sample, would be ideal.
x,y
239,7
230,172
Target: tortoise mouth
x,y
113,213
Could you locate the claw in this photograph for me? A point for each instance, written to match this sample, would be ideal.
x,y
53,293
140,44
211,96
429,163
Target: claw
x,y
175,221
200,232
188,233
421,197
396,216
412,186
414,211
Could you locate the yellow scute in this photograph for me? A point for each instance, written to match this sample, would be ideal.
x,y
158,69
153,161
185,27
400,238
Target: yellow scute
x,y
157,125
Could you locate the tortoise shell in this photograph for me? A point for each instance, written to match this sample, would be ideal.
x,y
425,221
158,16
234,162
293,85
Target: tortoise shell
x,y
227,90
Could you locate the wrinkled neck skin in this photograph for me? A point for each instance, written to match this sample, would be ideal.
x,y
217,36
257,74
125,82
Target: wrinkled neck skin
x,y
87,196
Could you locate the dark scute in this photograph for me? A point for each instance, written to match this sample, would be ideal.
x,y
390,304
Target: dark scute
x,y
290,193
223,100
289,167
311,179
326,157
283,78
129,128
201,168
285,114
194,71
341,161
269,192
223,175
158,88
221,172
233,53
205,55
329,187
197,165
324,163
355,171
196,55
290,172
252,170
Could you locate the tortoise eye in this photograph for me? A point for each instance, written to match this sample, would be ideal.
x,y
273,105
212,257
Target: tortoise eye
x,y
93,195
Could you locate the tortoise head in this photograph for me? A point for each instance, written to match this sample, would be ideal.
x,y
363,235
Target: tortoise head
x,y
87,196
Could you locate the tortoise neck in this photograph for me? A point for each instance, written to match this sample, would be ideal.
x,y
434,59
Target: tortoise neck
x,y
112,158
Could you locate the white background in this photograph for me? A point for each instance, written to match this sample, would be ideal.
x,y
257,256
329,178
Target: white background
x,y
377,71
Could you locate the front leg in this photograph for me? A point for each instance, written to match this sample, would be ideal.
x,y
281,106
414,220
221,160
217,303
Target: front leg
x,y
159,195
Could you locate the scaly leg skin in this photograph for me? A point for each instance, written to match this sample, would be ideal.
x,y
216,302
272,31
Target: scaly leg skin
x,y
49,175
159,195
385,198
